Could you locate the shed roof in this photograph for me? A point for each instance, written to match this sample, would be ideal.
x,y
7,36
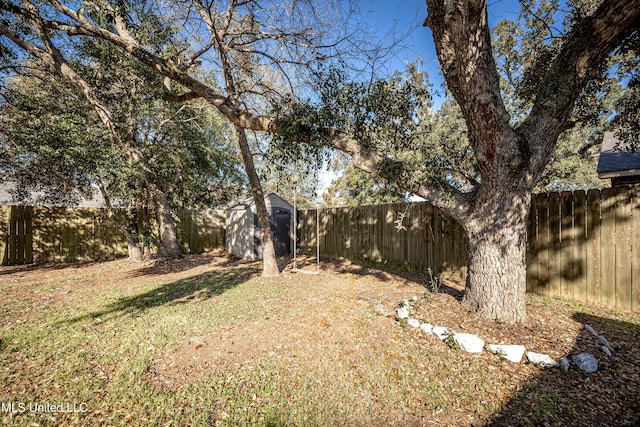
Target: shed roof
x,y
615,160
9,197
247,201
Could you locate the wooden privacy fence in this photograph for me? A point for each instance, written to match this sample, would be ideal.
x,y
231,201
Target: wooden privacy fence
x,y
582,246
51,234
201,231
586,246
414,237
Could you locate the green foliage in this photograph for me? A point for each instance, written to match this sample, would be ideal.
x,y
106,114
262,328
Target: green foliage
x,y
451,342
287,179
377,114
48,139
574,162
627,121
354,187
186,148
381,115
392,118
291,168
54,138
523,50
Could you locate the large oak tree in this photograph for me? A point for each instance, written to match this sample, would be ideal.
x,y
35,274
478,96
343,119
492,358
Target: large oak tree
x,y
510,159
510,156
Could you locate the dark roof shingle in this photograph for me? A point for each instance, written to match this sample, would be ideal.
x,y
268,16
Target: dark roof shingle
x,y
616,159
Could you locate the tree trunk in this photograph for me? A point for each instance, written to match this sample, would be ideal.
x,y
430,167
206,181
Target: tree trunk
x,y
497,273
269,261
133,242
133,247
169,246
496,276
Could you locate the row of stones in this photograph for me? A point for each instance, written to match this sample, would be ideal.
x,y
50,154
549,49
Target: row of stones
x,y
473,344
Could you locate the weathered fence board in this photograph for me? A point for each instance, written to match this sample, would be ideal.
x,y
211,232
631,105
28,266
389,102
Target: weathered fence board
x,y
593,261
635,249
391,235
541,205
55,234
624,259
579,278
201,231
583,246
607,249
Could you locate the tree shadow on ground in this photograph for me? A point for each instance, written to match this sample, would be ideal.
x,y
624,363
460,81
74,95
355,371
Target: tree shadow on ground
x,y
430,282
157,265
25,268
196,288
608,397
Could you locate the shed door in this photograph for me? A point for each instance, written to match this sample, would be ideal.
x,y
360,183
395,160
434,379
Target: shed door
x,y
279,221
280,224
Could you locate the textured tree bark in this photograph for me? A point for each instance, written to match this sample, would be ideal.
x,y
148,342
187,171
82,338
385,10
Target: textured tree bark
x,y
269,261
169,246
496,279
497,235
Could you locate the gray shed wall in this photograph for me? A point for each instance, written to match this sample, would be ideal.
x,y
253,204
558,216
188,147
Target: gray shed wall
x,y
242,229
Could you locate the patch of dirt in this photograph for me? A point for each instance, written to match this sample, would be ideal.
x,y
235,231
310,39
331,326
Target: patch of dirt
x,y
328,315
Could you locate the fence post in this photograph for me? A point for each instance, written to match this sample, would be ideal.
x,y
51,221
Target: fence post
x,y
5,215
635,249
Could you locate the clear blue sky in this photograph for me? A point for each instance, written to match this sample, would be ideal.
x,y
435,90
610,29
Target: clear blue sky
x,y
405,17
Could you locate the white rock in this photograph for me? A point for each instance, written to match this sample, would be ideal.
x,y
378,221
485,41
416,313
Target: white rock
x,y
541,360
512,353
590,329
586,362
469,343
606,350
405,304
605,343
415,298
427,328
441,331
564,364
402,313
414,322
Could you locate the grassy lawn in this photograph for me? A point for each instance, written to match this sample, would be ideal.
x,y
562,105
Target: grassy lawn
x,y
206,341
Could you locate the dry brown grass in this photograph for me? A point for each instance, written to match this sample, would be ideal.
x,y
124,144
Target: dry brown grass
x,y
205,340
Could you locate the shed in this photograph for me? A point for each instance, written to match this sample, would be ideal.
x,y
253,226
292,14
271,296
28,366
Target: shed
x,y
242,231
618,163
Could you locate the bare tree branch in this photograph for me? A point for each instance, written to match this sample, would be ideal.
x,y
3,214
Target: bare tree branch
x,y
579,60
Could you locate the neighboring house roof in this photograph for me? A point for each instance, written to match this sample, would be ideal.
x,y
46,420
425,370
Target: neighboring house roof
x,y
615,161
247,201
9,197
